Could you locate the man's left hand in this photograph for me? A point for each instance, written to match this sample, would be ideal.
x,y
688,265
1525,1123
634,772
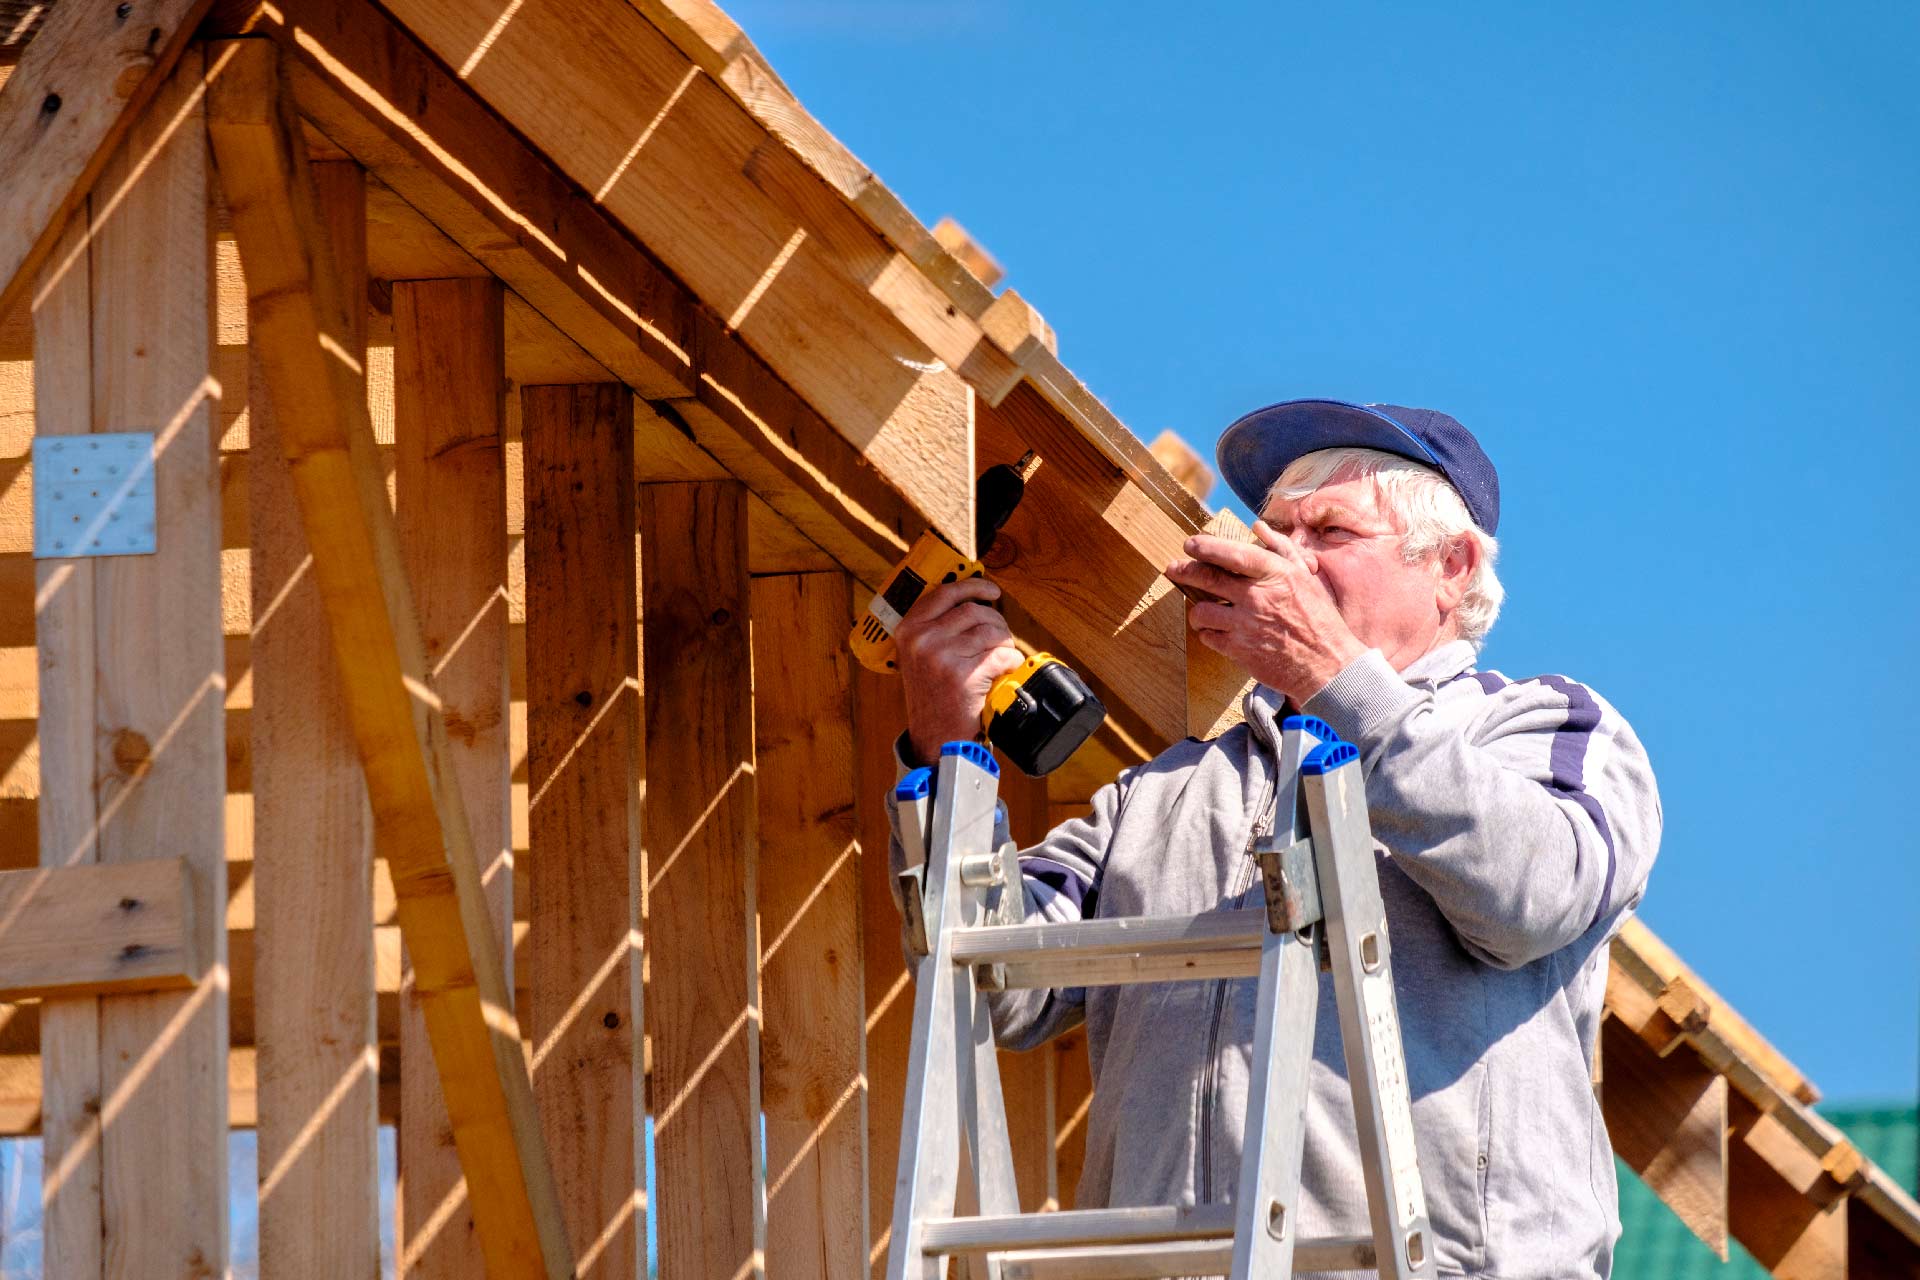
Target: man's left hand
x,y
1276,618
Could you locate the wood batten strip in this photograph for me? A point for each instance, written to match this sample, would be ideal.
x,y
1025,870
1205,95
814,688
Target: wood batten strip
x,y
449,384
582,966
91,70
130,657
813,1084
296,317
95,930
703,1001
313,979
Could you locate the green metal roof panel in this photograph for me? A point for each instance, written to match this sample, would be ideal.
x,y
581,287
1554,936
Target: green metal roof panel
x,y
1656,1245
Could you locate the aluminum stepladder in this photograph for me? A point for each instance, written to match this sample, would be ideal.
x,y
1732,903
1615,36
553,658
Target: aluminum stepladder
x,y
1323,909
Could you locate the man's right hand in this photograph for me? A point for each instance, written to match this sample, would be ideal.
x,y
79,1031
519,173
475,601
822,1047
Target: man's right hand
x,y
951,647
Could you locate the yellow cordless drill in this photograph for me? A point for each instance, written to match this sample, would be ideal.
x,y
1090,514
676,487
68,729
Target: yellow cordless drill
x,y
1037,714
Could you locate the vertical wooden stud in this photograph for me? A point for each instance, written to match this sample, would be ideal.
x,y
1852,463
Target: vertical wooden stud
x,y
68,808
582,965
701,847
449,340
812,1079
879,714
313,980
136,767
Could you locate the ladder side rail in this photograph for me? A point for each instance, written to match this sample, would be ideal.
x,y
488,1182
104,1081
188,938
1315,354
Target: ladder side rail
x,y
1286,1006
983,1107
930,1131
1356,924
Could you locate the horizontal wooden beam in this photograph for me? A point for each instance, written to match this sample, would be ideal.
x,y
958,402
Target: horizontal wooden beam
x,y
91,930
88,74
296,322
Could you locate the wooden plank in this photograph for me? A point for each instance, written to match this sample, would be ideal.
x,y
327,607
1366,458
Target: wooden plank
x,y
92,930
812,1082
68,809
377,93
143,753
700,829
730,212
420,821
89,73
1217,687
1667,1118
313,984
879,715
1787,1232
449,351
583,724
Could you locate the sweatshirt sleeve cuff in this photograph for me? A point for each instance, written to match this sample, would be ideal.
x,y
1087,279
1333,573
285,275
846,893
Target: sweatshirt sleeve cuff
x,y
1365,701
902,758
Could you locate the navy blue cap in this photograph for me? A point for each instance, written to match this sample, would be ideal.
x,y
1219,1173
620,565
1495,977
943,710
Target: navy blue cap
x,y
1256,449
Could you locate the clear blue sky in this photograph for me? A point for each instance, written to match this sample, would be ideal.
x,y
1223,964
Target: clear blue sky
x,y
1663,260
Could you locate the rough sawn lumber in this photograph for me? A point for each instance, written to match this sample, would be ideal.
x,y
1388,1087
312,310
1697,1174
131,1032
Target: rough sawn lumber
x,y
420,821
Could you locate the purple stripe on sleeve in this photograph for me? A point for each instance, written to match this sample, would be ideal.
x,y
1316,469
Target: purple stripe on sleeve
x,y
1489,681
1059,877
1568,764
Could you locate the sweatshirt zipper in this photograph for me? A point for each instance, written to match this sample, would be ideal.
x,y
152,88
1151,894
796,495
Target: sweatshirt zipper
x,y
1210,1078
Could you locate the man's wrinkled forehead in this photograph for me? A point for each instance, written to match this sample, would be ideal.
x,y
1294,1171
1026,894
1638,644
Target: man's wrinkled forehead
x,y
1354,501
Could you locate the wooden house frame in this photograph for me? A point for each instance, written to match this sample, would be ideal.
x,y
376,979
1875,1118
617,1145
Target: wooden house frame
x,y
538,390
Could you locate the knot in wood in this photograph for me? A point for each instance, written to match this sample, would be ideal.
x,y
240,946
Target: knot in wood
x,y
1002,552
584,698
720,617
121,12
611,1022
132,753
129,904
50,105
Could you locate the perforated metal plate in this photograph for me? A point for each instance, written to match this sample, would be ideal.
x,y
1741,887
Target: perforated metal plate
x,y
93,495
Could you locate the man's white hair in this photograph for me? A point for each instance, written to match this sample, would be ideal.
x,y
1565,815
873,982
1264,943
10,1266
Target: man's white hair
x,y
1428,510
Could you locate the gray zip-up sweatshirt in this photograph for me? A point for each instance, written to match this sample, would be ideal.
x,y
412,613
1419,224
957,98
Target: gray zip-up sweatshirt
x,y
1515,823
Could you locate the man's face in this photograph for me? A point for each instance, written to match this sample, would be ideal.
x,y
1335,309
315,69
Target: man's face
x,y
1352,545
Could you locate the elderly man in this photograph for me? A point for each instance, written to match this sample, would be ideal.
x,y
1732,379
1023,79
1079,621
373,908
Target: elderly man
x,y
1516,822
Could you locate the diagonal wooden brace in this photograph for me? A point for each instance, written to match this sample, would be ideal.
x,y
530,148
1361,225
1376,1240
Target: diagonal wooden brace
x,y
297,323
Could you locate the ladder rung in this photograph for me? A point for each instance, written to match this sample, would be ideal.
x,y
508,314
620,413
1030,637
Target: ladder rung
x,y
1158,936
1076,1226
1175,1258
1071,970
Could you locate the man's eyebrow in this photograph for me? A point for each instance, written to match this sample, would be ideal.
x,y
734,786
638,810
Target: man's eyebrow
x,y
1332,512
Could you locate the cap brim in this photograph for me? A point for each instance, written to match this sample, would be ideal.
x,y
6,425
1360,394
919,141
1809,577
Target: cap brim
x,y
1256,449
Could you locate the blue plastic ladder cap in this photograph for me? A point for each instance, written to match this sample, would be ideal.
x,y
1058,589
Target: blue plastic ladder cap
x,y
1327,757
917,785
1310,724
976,753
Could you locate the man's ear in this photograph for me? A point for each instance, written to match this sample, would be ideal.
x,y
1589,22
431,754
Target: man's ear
x,y
1454,570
